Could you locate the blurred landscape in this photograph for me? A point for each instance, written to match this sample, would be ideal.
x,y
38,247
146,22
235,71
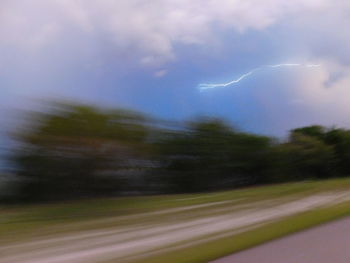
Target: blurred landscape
x,y
73,151
93,184
174,131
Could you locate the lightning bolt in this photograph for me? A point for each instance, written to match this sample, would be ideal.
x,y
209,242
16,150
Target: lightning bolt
x,y
284,65
205,86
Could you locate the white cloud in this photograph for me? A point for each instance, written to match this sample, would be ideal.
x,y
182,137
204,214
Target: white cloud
x,y
148,29
160,73
309,97
329,98
149,33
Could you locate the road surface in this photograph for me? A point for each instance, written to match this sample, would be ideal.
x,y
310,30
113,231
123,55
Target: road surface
x,y
127,241
329,243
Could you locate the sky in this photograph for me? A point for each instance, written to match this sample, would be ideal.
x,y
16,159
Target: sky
x,y
151,55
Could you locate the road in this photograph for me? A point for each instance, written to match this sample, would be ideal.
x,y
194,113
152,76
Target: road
x,y
127,242
329,243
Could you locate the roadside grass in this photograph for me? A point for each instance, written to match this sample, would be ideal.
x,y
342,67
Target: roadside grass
x,y
23,221
212,250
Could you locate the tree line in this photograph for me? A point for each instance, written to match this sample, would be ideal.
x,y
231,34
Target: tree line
x,y
73,151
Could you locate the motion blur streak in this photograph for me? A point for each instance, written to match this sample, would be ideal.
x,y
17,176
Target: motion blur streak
x,y
205,86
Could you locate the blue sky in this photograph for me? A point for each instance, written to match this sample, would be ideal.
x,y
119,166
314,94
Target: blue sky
x,y
151,55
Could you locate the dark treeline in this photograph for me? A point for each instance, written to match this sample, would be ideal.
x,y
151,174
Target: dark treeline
x,y
76,151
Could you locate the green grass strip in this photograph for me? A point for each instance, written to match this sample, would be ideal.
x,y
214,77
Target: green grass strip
x,y
215,249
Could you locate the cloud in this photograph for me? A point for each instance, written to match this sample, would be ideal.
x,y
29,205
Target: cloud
x,y
329,98
150,30
107,47
276,101
160,73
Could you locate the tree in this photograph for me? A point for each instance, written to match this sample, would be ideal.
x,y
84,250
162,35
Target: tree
x,y
303,157
79,151
315,131
211,155
339,139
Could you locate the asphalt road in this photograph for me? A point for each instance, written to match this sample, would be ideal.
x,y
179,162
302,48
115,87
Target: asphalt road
x,y
329,243
127,238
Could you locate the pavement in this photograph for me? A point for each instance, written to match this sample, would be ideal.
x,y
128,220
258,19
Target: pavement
x,y
328,243
127,242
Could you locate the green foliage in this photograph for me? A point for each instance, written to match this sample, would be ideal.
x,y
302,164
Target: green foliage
x,y
211,155
315,131
79,151
304,157
72,151
340,140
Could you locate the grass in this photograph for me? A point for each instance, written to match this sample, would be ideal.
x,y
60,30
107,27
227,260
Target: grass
x,y
215,249
131,205
25,222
